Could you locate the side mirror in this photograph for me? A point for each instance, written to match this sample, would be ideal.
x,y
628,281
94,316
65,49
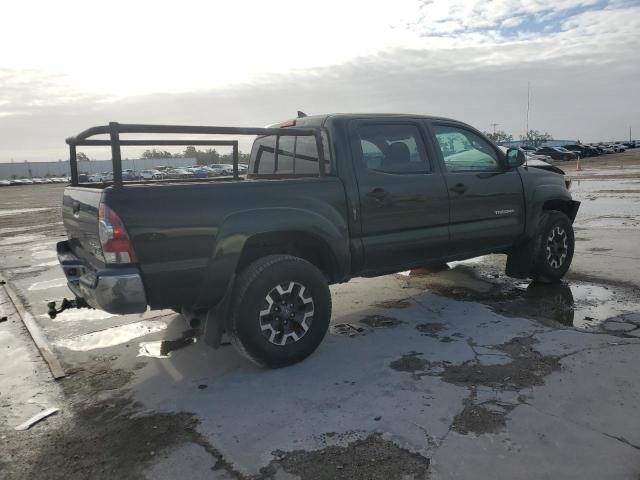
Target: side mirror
x,y
515,157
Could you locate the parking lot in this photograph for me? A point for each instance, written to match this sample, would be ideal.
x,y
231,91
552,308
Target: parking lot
x,y
463,373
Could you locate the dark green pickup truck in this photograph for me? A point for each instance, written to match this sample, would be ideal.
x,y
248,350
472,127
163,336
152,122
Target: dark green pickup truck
x,y
326,198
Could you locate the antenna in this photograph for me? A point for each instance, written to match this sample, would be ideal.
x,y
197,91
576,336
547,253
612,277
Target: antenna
x,y
494,125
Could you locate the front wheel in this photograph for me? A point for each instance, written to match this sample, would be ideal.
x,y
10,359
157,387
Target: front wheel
x,y
554,247
280,310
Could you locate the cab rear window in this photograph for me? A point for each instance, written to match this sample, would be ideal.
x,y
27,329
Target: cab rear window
x,y
295,156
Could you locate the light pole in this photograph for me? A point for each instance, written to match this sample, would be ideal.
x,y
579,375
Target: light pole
x,y
526,133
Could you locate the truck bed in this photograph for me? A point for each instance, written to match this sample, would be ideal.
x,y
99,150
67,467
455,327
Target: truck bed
x,y
183,231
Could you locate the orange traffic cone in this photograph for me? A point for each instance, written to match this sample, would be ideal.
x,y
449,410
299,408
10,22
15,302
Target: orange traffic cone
x,y
578,166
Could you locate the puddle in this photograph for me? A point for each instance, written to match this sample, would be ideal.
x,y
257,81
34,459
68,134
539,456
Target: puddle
x,y
373,458
402,303
527,368
347,329
411,362
163,348
578,304
480,419
380,321
431,329
111,336
582,305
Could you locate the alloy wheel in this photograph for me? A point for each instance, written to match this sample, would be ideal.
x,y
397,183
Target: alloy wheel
x,y
557,247
287,313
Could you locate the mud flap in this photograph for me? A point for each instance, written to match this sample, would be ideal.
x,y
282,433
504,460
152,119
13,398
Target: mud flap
x,y
216,321
213,328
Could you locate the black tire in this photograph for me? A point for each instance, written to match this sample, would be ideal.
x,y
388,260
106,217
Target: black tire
x,y
552,248
261,324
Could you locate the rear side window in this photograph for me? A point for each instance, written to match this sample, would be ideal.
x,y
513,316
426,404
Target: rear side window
x,y
286,154
393,148
296,156
262,155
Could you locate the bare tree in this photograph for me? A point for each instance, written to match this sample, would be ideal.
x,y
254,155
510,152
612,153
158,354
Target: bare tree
x,y
499,136
535,138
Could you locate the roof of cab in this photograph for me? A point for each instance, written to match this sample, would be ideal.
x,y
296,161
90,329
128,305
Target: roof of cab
x,y
321,119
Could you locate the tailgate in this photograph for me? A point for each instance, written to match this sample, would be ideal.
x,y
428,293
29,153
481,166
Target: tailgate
x,y
80,216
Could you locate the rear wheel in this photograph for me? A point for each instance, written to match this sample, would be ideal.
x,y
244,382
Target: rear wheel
x,y
280,310
553,247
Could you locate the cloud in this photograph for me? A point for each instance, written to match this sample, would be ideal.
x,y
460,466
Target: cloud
x,y
583,72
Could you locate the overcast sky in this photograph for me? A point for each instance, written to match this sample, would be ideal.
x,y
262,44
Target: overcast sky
x,y
68,65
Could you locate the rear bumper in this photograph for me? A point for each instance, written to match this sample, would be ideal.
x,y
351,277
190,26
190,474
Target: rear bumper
x,y
114,290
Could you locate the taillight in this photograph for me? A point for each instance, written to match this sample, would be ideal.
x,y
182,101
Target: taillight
x,y
116,245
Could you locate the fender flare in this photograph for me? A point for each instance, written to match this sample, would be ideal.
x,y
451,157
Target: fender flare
x,y
542,195
238,228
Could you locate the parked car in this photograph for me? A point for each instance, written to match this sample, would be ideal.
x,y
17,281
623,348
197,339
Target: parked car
x,y
151,174
384,193
619,147
557,153
583,150
131,175
223,168
178,173
199,172
5,183
534,156
604,150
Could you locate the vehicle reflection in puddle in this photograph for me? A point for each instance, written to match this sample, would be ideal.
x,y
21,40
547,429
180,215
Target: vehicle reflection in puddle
x,y
576,304
163,348
579,304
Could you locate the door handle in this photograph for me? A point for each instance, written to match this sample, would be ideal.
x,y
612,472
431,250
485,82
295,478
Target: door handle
x,y
377,193
459,188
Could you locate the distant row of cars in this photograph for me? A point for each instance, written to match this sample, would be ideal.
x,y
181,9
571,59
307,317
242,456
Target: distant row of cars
x,y
575,151
168,172
31,181
158,173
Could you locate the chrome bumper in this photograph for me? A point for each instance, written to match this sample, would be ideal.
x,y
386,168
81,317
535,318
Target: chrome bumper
x,y
114,290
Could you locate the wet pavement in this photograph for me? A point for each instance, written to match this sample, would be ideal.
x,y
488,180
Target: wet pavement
x,y
454,374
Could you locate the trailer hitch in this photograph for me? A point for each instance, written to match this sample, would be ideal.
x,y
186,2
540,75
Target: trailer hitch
x,y
65,304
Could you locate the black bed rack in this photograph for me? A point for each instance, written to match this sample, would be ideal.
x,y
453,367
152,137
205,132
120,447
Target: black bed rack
x,y
114,130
